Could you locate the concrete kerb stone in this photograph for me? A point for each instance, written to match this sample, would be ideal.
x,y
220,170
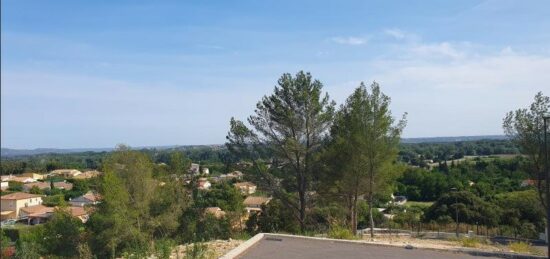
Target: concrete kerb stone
x,y
476,252
243,247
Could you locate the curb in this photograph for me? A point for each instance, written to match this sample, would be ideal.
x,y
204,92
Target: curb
x,y
243,247
475,252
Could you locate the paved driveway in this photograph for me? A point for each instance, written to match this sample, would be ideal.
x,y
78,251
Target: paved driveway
x,y
290,247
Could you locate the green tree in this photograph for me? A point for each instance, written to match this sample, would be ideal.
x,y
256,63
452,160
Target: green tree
x,y
178,163
526,128
364,148
225,196
62,234
113,225
290,124
35,190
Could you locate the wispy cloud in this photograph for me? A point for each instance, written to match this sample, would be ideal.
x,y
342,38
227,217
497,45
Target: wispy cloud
x,y
435,50
354,41
395,33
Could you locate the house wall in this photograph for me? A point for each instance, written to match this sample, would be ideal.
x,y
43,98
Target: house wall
x,y
4,185
16,205
27,203
9,205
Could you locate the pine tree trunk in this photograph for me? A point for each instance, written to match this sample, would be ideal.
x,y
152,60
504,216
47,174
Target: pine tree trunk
x,y
371,219
354,216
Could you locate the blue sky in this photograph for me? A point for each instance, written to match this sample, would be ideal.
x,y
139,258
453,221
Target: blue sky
x,y
98,73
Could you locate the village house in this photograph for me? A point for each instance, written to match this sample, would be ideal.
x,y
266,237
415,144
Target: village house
x,y
246,188
528,182
80,213
34,176
46,186
233,175
87,175
217,212
20,179
254,203
399,200
36,214
4,186
87,199
194,169
205,171
67,173
11,204
203,184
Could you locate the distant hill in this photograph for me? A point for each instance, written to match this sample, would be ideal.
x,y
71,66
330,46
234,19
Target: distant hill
x,y
10,152
453,139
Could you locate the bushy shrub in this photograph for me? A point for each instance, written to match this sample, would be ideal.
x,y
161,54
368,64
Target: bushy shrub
x,y
339,232
163,248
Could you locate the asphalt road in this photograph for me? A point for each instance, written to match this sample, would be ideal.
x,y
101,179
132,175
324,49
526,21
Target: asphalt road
x,y
289,247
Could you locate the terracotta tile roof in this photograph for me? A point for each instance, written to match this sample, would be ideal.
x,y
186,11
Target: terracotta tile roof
x,y
92,196
37,209
256,200
40,185
244,184
19,196
46,185
77,211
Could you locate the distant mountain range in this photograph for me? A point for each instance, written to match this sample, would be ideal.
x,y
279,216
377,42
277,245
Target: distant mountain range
x,y
10,152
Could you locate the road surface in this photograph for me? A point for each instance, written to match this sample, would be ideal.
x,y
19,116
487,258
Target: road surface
x,y
291,247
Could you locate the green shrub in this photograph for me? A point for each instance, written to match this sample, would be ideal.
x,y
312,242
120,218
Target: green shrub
x,y
339,232
54,200
163,248
198,251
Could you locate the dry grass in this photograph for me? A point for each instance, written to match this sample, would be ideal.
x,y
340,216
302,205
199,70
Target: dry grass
x,y
524,248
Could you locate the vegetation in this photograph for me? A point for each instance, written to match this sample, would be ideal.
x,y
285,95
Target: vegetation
x,y
526,128
326,170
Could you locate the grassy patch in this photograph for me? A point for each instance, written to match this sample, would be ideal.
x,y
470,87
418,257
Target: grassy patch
x,y
471,242
419,204
524,248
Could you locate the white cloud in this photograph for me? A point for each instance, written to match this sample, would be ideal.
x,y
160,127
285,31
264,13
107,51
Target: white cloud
x,y
443,49
355,41
395,33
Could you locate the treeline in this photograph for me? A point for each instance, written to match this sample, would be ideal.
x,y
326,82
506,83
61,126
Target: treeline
x,y
483,177
420,154
417,154
218,157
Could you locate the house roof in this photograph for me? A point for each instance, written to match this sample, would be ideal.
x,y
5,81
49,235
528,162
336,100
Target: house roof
x,y
46,185
244,184
256,200
92,196
19,196
213,209
21,179
40,185
203,183
77,211
88,174
37,209
66,171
